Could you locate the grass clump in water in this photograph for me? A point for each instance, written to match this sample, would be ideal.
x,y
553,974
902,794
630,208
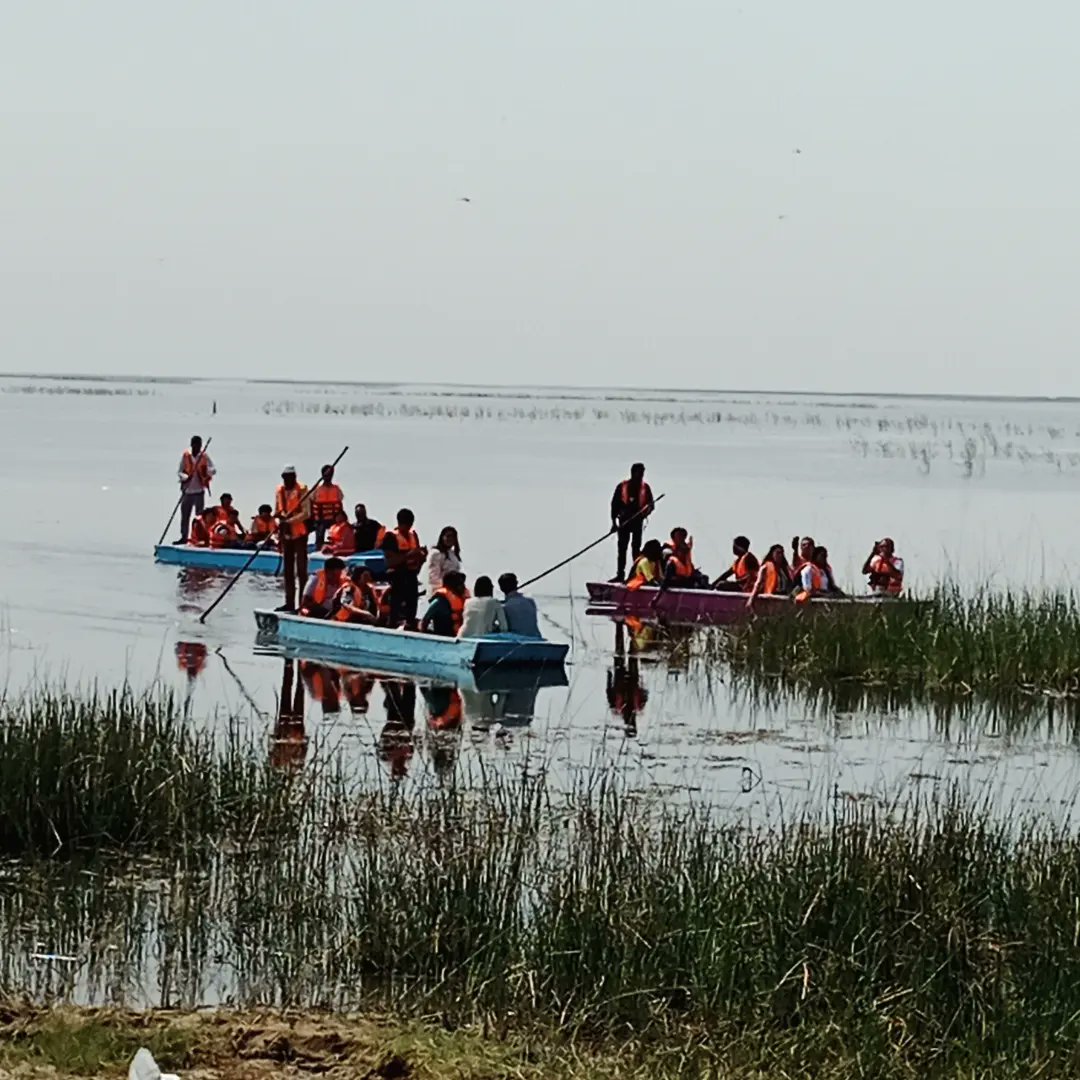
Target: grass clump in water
x,y
988,643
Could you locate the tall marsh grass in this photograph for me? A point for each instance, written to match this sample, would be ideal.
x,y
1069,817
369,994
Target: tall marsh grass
x,y
986,643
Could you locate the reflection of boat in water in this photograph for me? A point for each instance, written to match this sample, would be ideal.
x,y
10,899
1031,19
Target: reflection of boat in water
x,y
703,605
405,651
266,562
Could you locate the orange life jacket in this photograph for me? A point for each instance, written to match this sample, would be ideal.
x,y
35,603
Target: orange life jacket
x,y
457,606
358,597
818,582
200,534
644,572
342,539
322,591
200,468
744,576
407,541
772,585
884,566
682,564
327,500
289,501
261,527
644,495
224,533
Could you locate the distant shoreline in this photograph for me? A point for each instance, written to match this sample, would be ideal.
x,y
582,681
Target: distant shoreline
x,y
524,390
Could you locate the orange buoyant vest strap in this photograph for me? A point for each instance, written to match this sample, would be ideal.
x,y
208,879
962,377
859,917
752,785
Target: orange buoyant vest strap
x,y
290,501
407,541
771,584
328,499
261,526
684,564
198,468
741,572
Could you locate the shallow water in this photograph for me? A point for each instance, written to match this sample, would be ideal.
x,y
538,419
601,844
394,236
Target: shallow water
x,y
976,490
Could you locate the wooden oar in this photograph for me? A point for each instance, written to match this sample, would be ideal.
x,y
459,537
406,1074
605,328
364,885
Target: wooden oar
x,y
195,462
589,547
240,573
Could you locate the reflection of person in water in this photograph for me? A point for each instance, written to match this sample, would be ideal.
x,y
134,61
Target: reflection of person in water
x,y
625,695
289,746
395,739
357,686
323,685
191,658
444,724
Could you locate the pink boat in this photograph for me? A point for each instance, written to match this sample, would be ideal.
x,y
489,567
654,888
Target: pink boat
x,y
699,605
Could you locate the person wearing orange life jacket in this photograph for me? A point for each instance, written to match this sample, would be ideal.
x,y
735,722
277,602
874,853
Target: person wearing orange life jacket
x,y
648,568
631,505
404,557
340,540
357,600
815,579
195,473
447,608
202,528
802,552
743,571
227,531
885,569
224,507
322,589
679,571
327,501
292,508
774,577
263,528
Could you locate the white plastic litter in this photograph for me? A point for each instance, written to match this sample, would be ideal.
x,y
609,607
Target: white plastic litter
x,y
144,1067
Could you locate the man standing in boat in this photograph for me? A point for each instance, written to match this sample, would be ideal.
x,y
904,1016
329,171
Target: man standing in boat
x,y
195,473
292,510
631,505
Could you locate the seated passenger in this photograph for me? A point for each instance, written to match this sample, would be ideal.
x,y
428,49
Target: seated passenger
x,y
369,533
680,572
224,509
648,568
483,614
447,608
263,528
340,539
815,579
227,532
885,569
357,600
802,553
202,526
322,590
744,570
774,576
520,610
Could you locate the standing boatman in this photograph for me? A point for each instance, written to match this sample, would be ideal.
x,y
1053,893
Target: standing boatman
x,y
195,473
292,509
327,502
631,504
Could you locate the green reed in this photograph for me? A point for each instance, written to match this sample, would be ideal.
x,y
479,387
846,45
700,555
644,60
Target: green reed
x,y
986,643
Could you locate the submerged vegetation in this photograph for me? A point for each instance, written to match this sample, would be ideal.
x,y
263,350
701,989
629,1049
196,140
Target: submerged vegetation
x,y
986,644
153,864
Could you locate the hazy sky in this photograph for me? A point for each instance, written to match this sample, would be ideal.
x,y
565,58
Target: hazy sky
x,y
274,189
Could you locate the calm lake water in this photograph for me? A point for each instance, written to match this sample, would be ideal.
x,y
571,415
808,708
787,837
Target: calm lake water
x,y
977,491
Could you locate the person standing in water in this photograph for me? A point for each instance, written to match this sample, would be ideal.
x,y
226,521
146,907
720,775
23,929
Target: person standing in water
x,y
631,505
195,473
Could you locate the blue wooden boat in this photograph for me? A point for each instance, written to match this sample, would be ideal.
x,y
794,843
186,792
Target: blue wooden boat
x,y
405,651
266,562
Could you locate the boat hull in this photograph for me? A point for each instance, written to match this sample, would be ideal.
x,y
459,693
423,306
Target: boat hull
x,y
701,605
266,562
405,651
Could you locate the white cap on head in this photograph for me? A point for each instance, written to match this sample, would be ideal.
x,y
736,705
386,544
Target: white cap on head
x,y
288,469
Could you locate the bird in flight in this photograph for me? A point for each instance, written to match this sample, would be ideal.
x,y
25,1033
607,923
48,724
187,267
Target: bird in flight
x,y
464,198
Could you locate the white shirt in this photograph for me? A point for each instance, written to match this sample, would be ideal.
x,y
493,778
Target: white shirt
x,y
439,565
482,615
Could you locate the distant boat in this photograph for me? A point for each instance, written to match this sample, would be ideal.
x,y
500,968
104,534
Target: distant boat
x,y
701,605
266,562
402,651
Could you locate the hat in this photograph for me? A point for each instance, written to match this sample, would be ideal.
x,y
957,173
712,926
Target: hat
x,y
288,469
